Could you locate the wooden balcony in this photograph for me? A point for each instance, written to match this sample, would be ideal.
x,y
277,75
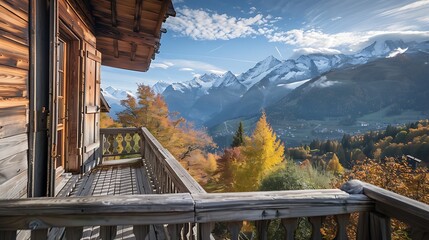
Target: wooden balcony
x,y
148,195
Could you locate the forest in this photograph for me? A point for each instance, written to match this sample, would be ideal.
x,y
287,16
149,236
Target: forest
x,y
261,162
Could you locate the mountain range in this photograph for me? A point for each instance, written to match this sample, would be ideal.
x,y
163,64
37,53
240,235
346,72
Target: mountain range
x,y
388,76
211,99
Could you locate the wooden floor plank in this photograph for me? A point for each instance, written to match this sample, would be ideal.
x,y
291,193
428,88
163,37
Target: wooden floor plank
x,y
113,179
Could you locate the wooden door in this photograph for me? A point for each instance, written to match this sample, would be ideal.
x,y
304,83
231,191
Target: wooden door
x,y
91,107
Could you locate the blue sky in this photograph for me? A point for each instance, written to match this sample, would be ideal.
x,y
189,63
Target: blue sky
x,y
214,36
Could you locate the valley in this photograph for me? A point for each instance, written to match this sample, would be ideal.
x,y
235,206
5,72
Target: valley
x,y
315,96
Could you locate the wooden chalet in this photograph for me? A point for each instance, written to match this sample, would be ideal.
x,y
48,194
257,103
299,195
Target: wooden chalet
x,y
56,179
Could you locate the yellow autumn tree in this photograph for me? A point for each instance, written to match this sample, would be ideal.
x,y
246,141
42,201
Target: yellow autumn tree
x,y
263,153
335,166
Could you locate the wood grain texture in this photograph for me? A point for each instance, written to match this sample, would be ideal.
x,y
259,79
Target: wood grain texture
x,y
397,206
96,210
281,204
12,166
12,145
15,187
11,21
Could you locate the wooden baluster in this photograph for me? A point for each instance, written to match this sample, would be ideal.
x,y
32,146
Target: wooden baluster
x,y
124,143
8,235
101,146
174,231
115,144
316,223
379,226
73,233
342,221
142,144
108,232
262,229
419,234
235,228
141,231
363,226
186,231
39,234
204,230
290,225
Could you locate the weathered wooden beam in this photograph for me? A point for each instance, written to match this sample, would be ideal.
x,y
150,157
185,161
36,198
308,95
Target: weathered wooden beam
x,y
103,30
113,10
390,204
162,16
273,205
115,48
133,51
137,15
110,210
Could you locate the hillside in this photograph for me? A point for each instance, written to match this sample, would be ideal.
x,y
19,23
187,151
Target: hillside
x,y
400,83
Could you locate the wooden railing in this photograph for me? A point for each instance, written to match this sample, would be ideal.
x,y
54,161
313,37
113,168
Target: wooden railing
x,y
376,206
187,209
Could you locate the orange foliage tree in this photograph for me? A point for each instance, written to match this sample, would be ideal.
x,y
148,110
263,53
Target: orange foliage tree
x,y
180,137
394,175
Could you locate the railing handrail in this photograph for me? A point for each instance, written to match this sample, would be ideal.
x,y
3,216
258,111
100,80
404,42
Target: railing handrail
x,y
42,213
176,170
397,206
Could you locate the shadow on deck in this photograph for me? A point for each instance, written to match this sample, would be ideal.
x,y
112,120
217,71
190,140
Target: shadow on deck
x,y
114,177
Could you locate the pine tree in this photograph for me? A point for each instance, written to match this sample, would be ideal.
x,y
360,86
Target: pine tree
x,y
238,138
263,153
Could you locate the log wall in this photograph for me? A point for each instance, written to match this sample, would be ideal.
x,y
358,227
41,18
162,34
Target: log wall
x,y
14,71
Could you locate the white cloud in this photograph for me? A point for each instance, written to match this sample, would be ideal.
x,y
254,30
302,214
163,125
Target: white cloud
x,y
163,65
311,40
201,24
252,10
304,51
186,69
336,18
192,66
406,8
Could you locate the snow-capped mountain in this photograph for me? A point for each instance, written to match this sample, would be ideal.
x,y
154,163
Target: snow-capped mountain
x,y
114,96
212,98
159,87
258,72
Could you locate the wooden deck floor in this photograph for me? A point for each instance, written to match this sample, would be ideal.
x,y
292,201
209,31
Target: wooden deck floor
x,y
126,178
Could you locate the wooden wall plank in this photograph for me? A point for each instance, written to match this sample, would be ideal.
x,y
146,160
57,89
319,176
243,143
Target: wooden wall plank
x,y
13,53
18,4
12,166
13,120
13,76
12,145
12,23
15,187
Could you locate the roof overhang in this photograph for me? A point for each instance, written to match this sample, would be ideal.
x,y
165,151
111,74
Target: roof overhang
x,y
128,32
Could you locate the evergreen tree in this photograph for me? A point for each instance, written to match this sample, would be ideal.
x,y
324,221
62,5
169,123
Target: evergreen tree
x,y
238,138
